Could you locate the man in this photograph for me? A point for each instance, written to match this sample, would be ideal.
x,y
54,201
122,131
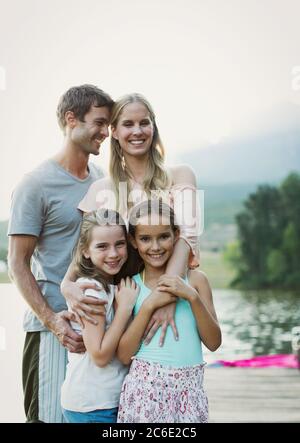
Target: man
x,y
43,230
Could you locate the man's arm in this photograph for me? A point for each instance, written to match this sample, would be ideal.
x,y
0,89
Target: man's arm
x,y
21,248
83,307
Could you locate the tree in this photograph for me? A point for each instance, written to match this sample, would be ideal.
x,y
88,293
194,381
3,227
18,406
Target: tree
x,y
269,237
277,266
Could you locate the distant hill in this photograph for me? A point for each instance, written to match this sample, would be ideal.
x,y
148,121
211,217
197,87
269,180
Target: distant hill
x,y
232,169
256,159
223,202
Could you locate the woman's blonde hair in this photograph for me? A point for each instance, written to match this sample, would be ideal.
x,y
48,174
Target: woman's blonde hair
x,y
83,266
156,177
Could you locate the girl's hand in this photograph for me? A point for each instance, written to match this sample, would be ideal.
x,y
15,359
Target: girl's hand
x,y
126,293
81,305
177,286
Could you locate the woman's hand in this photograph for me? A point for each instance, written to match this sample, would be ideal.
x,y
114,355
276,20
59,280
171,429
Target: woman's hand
x,y
177,286
81,305
158,299
162,317
126,293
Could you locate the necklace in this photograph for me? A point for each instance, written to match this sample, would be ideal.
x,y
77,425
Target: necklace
x,y
143,276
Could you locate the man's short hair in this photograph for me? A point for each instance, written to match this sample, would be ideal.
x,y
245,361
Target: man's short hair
x,y
80,99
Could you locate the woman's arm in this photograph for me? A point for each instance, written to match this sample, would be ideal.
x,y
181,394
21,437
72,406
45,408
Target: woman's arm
x,y
187,208
177,265
164,316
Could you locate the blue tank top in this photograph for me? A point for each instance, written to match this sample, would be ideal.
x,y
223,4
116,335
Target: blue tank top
x,y
187,351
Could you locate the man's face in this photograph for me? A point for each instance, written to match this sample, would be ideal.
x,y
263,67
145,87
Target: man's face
x,y
89,135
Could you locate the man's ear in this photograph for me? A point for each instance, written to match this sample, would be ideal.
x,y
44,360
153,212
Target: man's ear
x,y
70,119
177,234
132,241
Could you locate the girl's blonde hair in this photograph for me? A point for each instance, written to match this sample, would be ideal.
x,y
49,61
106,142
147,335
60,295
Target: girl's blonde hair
x,y
83,266
156,176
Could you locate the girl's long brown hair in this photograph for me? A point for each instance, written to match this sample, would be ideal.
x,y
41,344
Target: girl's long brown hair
x,y
146,209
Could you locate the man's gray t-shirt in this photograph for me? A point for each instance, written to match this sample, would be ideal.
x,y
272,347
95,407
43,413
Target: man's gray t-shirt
x,y
44,205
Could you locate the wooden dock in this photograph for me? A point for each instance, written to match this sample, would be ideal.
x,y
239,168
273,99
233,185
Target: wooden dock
x,y
253,395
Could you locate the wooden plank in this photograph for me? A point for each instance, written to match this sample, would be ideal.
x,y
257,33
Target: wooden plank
x,y
253,395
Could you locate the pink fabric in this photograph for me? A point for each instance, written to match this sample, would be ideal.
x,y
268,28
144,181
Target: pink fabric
x,y
101,195
279,361
152,393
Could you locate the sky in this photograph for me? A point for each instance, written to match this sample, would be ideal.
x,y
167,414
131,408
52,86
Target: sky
x,y
211,69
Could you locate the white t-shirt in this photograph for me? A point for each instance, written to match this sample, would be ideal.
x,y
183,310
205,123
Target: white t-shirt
x,y
88,387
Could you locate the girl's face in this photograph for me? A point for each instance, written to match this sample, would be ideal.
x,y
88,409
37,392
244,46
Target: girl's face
x,y
155,243
107,249
134,130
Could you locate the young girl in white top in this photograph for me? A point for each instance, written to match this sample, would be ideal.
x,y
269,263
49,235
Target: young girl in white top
x,y
164,384
91,390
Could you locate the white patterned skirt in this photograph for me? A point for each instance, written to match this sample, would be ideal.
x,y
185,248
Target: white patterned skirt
x,y
153,393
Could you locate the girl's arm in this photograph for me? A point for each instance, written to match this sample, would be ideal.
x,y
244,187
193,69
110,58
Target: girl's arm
x,y
204,311
132,338
101,344
177,265
199,295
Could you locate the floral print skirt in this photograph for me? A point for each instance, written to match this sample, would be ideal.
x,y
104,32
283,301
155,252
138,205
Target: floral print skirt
x,y
153,393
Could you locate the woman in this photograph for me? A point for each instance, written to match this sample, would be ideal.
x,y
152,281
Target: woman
x,y
137,168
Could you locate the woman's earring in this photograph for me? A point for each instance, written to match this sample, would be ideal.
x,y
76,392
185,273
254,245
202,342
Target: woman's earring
x,y
123,163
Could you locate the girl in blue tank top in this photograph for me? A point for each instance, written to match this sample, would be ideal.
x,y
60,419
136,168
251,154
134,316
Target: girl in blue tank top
x,y
165,383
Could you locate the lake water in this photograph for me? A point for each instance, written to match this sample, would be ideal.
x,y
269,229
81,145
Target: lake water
x,y
253,323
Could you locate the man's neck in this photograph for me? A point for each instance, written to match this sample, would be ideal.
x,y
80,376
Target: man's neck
x,y
73,160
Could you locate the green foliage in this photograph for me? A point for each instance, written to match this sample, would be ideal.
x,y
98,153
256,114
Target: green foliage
x,y
277,266
269,237
232,254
